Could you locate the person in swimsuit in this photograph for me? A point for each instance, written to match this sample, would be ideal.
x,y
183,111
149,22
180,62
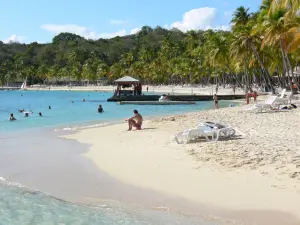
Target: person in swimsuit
x,y
135,121
216,101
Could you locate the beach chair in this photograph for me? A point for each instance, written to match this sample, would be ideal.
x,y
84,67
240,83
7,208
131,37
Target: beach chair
x,y
207,130
282,93
221,130
282,100
195,133
269,104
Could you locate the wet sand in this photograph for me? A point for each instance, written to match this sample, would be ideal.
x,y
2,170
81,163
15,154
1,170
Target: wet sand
x,y
42,161
256,172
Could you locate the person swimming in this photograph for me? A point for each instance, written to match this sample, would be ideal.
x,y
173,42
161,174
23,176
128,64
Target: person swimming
x,y
49,107
26,114
40,114
12,118
100,109
21,110
83,100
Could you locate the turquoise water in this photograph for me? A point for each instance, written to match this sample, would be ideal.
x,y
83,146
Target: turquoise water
x,y
65,113
19,205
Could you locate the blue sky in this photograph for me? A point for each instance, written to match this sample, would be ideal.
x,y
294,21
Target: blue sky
x,y
40,20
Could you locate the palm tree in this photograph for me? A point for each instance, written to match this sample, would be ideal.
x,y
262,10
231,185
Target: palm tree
x,y
275,31
217,47
241,16
245,36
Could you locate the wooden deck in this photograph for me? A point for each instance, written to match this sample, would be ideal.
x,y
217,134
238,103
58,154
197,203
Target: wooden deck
x,y
157,103
9,88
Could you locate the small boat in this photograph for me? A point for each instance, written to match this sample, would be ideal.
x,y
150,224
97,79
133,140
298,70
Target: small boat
x,y
157,102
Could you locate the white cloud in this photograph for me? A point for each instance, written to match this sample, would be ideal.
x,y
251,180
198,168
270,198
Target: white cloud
x,y
72,28
222,27
81,30
135,30
198,19
122,32
118,22
14,38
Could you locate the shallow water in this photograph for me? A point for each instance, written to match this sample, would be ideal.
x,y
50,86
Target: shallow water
x,y
19,206
68,114
38,159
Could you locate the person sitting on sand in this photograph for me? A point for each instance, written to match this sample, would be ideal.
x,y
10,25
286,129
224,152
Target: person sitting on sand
x,y
135,121
12,118
100,109
216,101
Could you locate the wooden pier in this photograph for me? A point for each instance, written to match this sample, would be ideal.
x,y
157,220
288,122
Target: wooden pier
x,y
187,98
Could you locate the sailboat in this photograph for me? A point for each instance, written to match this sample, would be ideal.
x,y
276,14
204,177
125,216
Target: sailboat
x,y
24,85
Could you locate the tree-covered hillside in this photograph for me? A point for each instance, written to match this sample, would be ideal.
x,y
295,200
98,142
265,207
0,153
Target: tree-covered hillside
x,y
262,48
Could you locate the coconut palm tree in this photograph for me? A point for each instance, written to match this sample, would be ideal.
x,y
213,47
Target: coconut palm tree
x,y
241,17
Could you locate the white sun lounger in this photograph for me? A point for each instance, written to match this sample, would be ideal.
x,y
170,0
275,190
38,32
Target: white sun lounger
x,y
272,102
208,130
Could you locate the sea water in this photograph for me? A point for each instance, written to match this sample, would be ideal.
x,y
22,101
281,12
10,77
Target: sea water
x,y
19,205
68,109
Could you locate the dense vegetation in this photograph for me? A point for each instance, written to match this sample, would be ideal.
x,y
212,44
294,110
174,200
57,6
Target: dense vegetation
x,y
262,48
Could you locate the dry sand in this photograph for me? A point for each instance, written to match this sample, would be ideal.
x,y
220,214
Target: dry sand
x,y
258,171
170,89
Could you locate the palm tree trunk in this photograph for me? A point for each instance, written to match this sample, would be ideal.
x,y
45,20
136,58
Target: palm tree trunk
x,y
285,64
292,70
235,77
266,72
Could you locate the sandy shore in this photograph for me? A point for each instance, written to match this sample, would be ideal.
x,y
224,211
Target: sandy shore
x,y
259,171
170,89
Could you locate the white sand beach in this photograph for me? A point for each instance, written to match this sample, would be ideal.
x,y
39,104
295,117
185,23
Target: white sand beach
x,y
258,171
167,89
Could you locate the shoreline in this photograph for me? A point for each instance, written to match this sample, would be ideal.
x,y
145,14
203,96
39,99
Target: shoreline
x,y
81,182
130,163
151,194
167,89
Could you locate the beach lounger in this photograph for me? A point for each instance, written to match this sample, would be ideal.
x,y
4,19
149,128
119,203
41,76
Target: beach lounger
x,y
282,93
272,102
207,130
282,100
222,130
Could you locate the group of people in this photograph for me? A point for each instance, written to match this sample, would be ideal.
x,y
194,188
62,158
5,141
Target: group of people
x,y
26,114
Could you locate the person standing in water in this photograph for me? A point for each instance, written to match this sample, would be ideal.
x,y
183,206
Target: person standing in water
x,y
49,107
100,109
40,114
12,118
216,101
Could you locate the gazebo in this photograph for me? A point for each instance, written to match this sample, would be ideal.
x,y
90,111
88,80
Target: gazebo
x,y
127,82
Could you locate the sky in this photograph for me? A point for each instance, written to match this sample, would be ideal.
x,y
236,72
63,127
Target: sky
x,y
28,21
